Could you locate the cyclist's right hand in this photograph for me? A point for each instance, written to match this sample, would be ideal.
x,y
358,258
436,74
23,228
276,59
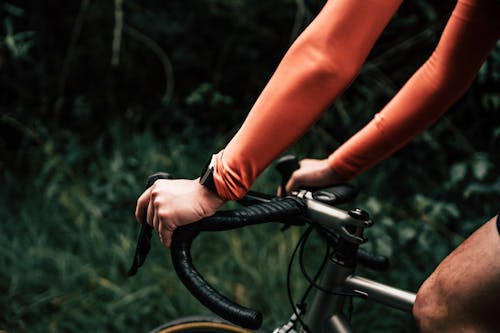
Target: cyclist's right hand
x,y
171,203
312,173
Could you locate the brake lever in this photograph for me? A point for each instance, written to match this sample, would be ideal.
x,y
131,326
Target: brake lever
x,y
144,241
286,165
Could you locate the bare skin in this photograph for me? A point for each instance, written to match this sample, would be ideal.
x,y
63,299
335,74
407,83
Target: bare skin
x,y
462,294
313,173
169,204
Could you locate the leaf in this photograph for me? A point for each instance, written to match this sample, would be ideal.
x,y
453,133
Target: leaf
x,y
480,167
482,189
406,234
458,172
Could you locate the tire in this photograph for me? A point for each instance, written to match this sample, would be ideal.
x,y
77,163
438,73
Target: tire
x,y
201,324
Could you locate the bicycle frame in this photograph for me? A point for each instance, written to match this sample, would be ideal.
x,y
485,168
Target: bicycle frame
x,y
342,228
326,313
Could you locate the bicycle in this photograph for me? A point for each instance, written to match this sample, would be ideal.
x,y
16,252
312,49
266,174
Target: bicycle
x,y
343,232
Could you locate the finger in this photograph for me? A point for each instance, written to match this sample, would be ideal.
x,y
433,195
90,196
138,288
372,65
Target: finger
x,y
150,213
278,191
166,230
142,207
156,221
293,184
168,240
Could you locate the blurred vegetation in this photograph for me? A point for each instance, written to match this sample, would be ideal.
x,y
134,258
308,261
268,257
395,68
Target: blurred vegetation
x,y
97,95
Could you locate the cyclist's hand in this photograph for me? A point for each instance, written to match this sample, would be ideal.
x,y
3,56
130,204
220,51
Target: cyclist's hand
x,y
313,173
169,204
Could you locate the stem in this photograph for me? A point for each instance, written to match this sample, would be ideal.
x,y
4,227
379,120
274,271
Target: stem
x,y
77,29
164,59
117,34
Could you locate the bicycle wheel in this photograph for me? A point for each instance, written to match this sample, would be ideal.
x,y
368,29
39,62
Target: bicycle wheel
x,y
201,324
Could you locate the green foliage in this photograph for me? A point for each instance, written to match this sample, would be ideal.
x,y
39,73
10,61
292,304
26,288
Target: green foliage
x,y
79,133
18,44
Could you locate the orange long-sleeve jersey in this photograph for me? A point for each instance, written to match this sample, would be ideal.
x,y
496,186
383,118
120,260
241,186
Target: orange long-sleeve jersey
x,y
322,63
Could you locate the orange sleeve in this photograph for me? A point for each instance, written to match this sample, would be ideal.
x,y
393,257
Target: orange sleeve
x,y
320,64
470,34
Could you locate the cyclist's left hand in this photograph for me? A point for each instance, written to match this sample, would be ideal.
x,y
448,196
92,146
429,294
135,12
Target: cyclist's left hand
x,y
312,173
168,204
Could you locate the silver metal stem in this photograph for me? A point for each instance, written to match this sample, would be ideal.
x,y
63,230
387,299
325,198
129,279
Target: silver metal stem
x,y
336,220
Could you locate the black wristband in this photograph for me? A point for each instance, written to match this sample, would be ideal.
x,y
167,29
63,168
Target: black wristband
x,y
207,175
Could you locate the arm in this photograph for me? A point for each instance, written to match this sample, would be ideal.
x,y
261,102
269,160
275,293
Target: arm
x,y
318,67
470,34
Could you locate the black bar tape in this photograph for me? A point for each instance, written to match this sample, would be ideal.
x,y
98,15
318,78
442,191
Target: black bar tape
x,y
276,210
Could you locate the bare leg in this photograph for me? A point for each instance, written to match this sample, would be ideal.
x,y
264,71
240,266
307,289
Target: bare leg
x,y
463,293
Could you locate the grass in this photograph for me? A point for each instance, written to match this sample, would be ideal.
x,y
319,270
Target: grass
x,y
67,232
67,238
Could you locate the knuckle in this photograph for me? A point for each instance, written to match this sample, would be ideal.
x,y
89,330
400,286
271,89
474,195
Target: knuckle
x,y
164,213
168,226
156,204
155,191
167,223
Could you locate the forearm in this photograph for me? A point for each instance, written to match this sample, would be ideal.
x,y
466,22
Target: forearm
x,y
468,38
318,67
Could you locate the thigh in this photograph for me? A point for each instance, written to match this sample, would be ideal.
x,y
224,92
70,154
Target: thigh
x,y
466,285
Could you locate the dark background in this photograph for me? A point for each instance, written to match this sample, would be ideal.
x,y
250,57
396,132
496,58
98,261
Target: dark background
x,y
95,95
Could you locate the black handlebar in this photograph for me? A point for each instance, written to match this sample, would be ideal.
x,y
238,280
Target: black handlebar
x,y
262,209
279,210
